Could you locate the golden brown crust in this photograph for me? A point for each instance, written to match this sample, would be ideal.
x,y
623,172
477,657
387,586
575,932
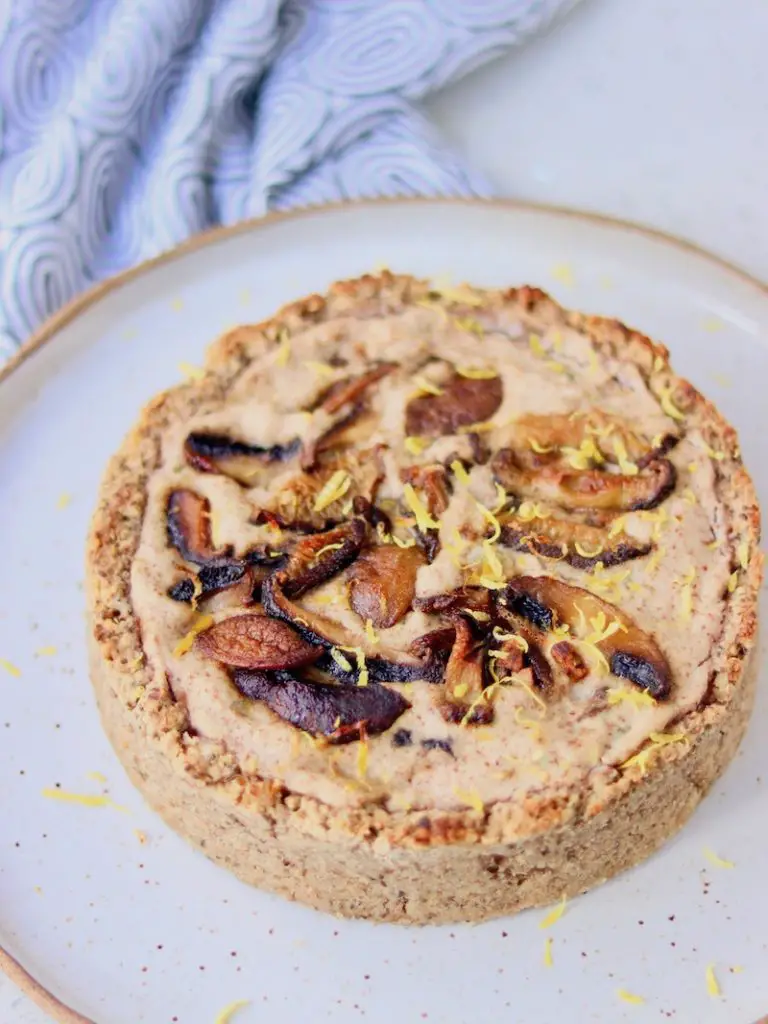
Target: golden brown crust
x,y
148,727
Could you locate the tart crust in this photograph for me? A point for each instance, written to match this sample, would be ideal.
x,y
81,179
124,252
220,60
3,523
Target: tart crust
x,y
411,866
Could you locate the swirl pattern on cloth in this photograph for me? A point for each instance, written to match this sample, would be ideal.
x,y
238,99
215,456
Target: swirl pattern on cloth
x,y
128,125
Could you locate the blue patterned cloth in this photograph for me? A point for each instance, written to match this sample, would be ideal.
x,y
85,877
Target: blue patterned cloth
x,y
128,125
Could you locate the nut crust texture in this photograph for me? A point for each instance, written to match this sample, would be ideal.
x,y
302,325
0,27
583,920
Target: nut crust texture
x,y
408,866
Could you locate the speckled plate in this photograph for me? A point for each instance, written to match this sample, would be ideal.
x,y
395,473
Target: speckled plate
x,y
116,917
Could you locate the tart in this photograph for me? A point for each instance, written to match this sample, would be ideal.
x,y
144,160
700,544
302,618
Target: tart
x,y
425,604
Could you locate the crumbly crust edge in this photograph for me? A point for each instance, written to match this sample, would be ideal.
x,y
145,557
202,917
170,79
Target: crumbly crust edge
x,y
117,524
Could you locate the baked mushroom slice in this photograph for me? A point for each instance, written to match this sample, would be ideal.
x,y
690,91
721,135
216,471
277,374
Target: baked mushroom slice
x,y
218,453
461,402
579,544
226,572
317,558
589,488
337,712
460,699
188,526
351,389
255,641
547,437
467,599
382,583
314,501
630,652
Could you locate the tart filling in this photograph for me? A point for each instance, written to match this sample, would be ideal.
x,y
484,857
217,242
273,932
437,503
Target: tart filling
x,y
429,552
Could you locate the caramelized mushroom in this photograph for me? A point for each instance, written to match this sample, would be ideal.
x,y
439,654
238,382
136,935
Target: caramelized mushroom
x,y
303,504
543,436
469,598
464,680
224,572
316,558
579,544
432,482
217,453
462,401
188,523
383,582
352,389
569,660
631,653
339,713
255,641
589,488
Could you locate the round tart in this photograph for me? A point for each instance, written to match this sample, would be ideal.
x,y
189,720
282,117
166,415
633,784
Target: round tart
x,y
426,604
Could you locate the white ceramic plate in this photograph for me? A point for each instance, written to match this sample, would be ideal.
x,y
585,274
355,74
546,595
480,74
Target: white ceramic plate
x,y
130,933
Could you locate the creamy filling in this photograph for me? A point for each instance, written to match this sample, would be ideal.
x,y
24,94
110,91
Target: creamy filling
x,y
674,593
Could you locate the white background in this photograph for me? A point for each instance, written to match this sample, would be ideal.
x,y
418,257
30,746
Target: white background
x,y
653,110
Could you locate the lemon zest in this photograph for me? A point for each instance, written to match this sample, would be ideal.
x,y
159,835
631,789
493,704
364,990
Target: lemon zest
x,y
540,449
335,487
63,500
554,914
627,467
45,652
459,471
225,1016
719,862
663,739
321,369
669,407
407,543
283,351
528,510
370,632
467,323
516,678
485,696
416,445
362,668
362,759
476,373
186,642
563,272
460,690
501,499
84,799
501,637
548,962
424,520
482,427
471,798
10,668
689,496
190,371
435,306
585,552
617,526
461,293
629,997
328,547
637,698
427,387
733,582
487,514
713,988
344,663
534,342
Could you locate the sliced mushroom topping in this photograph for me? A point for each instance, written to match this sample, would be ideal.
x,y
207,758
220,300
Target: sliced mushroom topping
x,y
461,402
188,523
226,572
469,599
589,488
435,643
217,453
460,699
317,558
316,501
352,389
339,713
569,660
383,583
587,435
579,544
630,652
255,641
432,482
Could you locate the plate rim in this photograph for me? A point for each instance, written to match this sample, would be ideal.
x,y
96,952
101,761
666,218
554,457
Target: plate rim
x,y
85,299
59,1011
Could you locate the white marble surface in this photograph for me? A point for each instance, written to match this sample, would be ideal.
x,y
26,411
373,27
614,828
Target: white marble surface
x,y
656,111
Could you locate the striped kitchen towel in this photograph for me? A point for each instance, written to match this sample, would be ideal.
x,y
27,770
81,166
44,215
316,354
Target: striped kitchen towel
x,y
128,125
